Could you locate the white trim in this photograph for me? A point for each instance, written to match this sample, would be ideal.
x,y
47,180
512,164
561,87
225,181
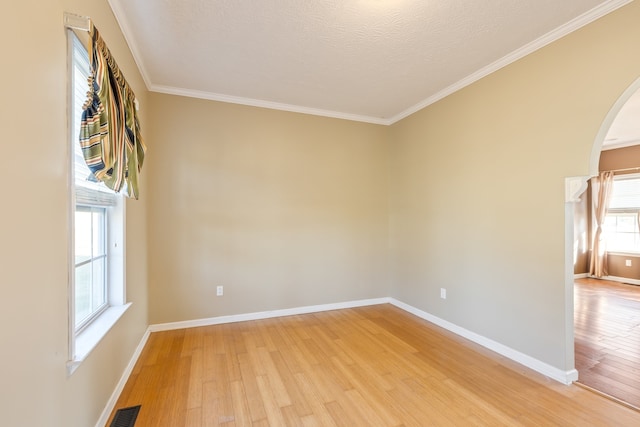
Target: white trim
x,y
71,207
624,254
190,93
598,142
622,280
89,338
111,404
121,19
265,314
550,37
76,22
565,377
571,26
574,186
581,276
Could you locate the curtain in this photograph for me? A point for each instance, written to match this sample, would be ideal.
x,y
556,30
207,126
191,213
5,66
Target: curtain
x,y
110,132
601,185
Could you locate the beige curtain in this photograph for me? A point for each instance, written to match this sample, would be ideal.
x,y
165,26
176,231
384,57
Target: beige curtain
x,y
601,186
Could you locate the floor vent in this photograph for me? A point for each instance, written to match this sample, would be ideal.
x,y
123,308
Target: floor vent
x,y
125,417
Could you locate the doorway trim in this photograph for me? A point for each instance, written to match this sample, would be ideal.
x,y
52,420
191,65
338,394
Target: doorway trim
x,y
574,187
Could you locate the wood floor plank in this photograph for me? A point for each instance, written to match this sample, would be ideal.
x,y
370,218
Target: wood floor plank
x,y
607,337
367,366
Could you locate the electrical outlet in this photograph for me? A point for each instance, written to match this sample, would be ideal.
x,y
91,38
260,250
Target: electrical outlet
x,y
443,293
627,263
220,291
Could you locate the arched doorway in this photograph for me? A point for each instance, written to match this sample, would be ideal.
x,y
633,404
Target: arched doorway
x,y
575,187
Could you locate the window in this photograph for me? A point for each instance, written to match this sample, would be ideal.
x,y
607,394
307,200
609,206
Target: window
x,y
621,227
90,263
97,278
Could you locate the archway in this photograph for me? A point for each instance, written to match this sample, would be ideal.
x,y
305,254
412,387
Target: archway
x,y
574,188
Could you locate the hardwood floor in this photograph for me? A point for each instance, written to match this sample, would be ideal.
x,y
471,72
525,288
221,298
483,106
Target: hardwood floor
x,y
369,366
607,337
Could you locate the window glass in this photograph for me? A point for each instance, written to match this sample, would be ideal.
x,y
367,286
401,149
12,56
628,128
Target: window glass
x,y
97,217
621,227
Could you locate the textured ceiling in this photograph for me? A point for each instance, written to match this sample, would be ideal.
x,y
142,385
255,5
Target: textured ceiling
x,y
370,60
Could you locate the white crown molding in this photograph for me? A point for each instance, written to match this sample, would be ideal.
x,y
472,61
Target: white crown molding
x,y
563,30
550,37
266,104
123,22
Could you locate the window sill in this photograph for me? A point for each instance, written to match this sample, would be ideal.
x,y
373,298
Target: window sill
x,y
89,338
627,254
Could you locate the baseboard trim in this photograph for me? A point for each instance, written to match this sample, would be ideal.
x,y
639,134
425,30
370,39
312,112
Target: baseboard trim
x,y
265,314
565,377
581,276
622,280
111,404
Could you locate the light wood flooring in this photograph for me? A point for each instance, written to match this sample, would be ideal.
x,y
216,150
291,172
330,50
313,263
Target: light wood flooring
x,y
369,366
607,337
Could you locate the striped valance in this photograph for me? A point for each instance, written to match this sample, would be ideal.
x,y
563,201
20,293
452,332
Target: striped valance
x,y
110,132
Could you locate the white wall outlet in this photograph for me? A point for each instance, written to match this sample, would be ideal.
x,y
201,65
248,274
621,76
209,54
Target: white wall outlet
x,y
443,293
627,263
219,291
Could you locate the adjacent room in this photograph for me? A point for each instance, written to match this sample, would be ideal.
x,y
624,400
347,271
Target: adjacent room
x,y
606,267
360,212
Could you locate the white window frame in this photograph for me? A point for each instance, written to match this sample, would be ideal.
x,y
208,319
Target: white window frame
x,y
626,211
93,258
85,337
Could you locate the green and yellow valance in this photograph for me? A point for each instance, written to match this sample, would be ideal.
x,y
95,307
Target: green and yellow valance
x,y
110,131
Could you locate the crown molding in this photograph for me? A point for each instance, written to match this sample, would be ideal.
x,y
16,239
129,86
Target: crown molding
x,y
265,104
121,19
571,26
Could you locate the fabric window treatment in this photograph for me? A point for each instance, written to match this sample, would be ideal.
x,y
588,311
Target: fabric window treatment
x,y
601,185
110,138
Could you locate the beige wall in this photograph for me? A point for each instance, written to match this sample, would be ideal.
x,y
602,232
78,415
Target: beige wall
x,y
287,210
477,202
620,158
283,210
34,226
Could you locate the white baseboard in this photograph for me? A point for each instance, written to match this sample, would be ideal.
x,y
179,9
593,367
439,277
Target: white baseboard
x,y
265,314
104,417
581,276
622,280
565,377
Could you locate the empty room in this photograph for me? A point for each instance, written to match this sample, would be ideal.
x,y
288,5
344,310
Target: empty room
x,y
346,213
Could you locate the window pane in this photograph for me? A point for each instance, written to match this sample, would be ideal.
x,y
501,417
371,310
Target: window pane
x,y
83,293
626,224
625,194
83,235
98,232
98,285
621,232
